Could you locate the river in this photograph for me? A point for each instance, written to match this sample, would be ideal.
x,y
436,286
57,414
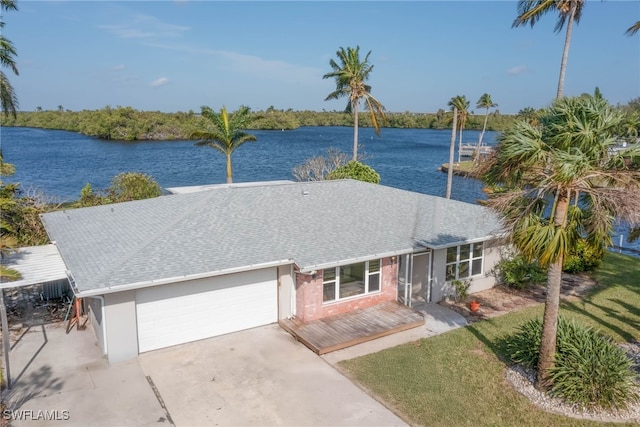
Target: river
x,y
57,164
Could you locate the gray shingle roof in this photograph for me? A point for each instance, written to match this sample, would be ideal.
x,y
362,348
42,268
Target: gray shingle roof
x,y
314,224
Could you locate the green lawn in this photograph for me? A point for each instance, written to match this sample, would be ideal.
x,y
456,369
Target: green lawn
x,y
458,378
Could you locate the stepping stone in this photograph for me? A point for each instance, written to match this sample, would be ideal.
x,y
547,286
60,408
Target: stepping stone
x,y
508,305
518,301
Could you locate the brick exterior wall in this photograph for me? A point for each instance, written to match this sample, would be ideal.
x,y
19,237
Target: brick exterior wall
x,y
309,305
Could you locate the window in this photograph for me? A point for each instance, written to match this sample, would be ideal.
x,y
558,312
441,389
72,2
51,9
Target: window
x,y
464,261
350,280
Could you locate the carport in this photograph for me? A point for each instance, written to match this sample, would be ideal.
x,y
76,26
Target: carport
x,y
36,264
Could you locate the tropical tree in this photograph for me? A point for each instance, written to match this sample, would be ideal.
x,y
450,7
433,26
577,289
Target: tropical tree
x,y
462,104
485,102
8,98
633,29
529,114
569,11
351,74
226,133
557,183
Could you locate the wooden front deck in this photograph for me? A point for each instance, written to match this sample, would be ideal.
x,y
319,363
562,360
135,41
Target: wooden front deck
x,y
337,332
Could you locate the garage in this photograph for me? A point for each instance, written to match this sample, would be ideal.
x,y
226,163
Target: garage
x,y
182,312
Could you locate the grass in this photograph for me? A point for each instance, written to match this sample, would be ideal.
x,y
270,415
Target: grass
x,y
458,378
466,167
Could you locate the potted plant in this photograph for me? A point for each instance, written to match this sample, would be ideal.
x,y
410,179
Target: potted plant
x,y
474,305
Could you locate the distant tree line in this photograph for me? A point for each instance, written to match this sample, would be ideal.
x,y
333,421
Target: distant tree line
x,y
129,124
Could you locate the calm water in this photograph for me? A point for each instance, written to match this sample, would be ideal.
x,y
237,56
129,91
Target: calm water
x,y
60,163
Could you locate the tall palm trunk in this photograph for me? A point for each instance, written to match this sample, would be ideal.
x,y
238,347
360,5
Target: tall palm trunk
x,y
452,148
229,170
460,141
565,51
484,128
354,108
552,304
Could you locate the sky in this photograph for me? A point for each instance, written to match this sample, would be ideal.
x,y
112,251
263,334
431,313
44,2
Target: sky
x,y
180,55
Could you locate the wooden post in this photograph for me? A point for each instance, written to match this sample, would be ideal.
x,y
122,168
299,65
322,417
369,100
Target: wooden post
x,y
6,343
452,148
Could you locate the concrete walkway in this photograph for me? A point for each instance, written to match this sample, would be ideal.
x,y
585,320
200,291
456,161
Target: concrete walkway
x,y
438,319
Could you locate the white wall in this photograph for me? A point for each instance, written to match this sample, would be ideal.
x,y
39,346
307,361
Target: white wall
x,y
96,320
286,293
121,326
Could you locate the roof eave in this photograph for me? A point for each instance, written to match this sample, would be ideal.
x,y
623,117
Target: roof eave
x,y
177,279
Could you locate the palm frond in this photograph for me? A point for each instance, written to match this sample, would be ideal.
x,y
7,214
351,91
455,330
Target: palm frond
x,y
633,29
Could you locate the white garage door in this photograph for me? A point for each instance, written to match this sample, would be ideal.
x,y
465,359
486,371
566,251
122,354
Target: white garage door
x,y
189,311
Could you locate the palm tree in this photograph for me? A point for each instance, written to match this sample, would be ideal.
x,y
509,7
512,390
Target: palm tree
x,y
633,29
569,11
462,105
555,183
486,102
8,98
227,132
351,74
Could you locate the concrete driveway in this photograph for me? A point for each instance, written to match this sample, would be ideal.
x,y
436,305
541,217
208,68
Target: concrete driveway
x,y
257,377
260,377
62,379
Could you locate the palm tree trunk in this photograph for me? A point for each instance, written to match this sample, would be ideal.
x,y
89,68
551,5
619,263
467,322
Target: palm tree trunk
x,y
552,305
460,141
484,128
565,51
354,108
452,149
229,171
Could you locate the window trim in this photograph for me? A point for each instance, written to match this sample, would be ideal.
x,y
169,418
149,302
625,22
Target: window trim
x,y
336,282
469,261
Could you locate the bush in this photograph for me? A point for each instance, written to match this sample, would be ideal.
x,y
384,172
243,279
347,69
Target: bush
x,y
133,186
590,370
461,289
517,273
585,257
355,170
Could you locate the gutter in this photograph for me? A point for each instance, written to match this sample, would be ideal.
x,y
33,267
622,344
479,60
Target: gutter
x,y
177,279
310,269
463,242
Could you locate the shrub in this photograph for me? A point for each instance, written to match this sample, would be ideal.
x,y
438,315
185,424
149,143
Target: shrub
x,y
461,288
524,346
517,273
355,170
133,186
585,257
590,370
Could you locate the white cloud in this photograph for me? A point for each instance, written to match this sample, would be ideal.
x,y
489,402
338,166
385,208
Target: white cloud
x,y
118,67
145,27
517,70
160,82
255,66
